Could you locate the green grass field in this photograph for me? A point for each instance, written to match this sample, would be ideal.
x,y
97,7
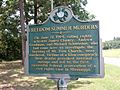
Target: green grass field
x,y
111,81
112,53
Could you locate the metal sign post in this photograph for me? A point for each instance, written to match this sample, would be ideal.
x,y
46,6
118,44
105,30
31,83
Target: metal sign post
x,y
62,84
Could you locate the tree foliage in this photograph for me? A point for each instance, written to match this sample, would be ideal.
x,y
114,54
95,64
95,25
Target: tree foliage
x,y
39,10
10,42
36,10
112,44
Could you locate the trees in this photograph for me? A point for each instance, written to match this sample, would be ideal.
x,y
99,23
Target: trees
x,y
10,43
36,10
112,44
39,10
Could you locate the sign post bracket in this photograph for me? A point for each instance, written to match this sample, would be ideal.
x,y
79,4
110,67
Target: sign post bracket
x,y
62,84
61,81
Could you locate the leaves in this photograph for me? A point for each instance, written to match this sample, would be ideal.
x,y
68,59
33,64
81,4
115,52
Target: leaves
x,y
10,47
44,8
112,44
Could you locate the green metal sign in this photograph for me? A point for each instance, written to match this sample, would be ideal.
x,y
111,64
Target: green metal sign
x,y
64,45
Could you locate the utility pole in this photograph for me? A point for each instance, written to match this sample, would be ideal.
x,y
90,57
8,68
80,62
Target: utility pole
x,y
22,21
51,5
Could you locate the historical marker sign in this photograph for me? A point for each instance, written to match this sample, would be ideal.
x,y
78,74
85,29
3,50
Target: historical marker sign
x,y
64,45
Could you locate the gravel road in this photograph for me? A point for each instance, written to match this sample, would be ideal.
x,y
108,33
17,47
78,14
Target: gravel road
x,y
113,61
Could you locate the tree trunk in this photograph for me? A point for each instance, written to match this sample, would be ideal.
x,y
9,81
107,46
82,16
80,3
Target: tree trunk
x,y
35,11
26,14
21,7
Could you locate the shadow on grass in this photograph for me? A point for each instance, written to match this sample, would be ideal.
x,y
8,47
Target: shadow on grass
x,y
78,84
12,77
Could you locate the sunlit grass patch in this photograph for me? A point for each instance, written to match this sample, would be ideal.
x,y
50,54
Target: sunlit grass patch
x,y
111,81
111,53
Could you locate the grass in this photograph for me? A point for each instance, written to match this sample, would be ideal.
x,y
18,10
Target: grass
x,y
15,79
112,53
111,81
